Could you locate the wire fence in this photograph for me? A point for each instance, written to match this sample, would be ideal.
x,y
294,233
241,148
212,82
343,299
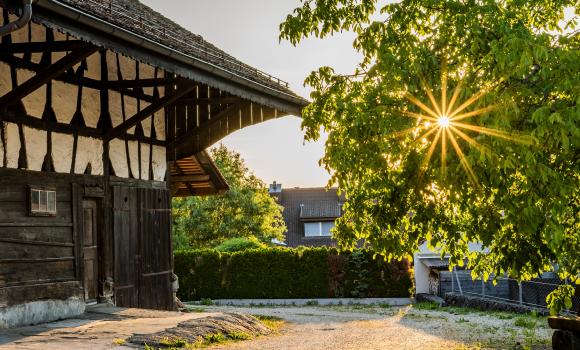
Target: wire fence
x,y
528,293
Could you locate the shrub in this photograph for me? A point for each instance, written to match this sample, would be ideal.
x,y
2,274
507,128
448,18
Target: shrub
x,y
239,244
284,273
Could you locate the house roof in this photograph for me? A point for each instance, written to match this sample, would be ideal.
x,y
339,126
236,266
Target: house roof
x,y
131,28
307,204
320,209
435,263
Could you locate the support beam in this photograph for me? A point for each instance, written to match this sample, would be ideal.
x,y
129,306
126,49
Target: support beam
x,y
71,78
149,111
33,47
45,76
215,120
189,178
63,128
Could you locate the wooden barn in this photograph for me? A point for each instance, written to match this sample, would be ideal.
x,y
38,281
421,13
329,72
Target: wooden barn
x,y
106,109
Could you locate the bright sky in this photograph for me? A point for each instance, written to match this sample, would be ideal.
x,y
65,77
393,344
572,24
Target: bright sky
x,y
248,30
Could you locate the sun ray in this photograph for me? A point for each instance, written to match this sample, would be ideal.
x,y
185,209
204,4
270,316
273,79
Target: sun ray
x,y
430,152
419,116
427,89
492,132
444,88
462,159
421,105
454,98
473,113
444,153
467,103
470,140
443,119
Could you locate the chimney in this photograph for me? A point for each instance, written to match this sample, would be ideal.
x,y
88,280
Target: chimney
x,y
275,190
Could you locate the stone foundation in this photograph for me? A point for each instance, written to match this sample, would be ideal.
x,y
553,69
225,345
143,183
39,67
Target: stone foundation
x,y
40,312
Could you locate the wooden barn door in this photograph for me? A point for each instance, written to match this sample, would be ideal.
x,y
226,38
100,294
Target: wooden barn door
x,y
156,251
143,252
126,242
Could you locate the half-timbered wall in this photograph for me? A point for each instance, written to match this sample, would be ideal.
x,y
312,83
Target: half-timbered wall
x,y
25,142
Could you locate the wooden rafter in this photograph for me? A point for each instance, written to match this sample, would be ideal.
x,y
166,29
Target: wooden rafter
x,y
180,171
163,102
55,46
215,120
47,74
190,178
211,100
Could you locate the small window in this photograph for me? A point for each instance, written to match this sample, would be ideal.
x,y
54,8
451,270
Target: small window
x,y
318,229
42,201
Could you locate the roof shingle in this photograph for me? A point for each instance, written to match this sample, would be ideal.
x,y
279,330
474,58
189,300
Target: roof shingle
x,y
140,19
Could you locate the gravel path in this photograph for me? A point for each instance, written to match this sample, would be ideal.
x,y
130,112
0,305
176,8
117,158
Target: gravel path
x,y
394,328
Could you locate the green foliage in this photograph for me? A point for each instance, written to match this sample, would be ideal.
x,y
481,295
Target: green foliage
x,y
240,243
282,273
525,205
246,210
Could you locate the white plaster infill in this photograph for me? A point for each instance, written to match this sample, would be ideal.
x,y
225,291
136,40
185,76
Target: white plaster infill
x,y
311,302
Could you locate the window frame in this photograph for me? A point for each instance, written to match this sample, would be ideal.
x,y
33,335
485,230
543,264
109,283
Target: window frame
x,y
38,212
320,235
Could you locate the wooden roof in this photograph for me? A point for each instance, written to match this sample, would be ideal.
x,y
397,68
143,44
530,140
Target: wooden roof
x,y
196,176
136,30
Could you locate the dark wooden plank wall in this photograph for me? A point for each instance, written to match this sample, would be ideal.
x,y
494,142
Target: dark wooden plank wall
x,y
37,254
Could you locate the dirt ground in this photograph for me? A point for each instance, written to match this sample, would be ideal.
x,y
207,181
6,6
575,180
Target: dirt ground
x,y
329,327
358,327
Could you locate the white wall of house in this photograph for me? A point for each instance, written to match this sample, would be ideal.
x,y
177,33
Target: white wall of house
x,y
422,271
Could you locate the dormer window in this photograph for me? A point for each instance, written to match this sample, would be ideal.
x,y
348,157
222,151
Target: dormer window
x,y
42,201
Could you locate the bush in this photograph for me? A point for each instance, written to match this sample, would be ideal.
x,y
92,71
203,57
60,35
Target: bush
x,y
284,273
240,243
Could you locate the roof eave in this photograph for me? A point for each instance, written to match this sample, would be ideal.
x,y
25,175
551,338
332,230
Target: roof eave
x,y
286,102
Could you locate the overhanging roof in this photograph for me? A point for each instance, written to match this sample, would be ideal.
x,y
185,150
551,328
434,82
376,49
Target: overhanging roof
x,y
135,30
196,176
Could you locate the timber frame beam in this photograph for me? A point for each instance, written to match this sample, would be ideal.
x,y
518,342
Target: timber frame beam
x,y
35,47
190,134
161,103
46,75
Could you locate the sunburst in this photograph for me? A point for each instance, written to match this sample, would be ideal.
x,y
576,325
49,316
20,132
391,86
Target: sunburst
x,y
445,123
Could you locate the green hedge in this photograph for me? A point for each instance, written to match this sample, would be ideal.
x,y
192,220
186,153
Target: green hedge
x,y
280,273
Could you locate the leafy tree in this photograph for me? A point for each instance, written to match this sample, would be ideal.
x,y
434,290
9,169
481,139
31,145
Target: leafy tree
x,y
246,210
504,170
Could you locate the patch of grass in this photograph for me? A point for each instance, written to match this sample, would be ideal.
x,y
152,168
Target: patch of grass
x,y
426,305
176,342
119,341
272,322
525,322
214,338
239,336
312,303
462,320
206,302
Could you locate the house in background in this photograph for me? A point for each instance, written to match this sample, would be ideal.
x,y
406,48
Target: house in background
x,y
309,214
106,109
